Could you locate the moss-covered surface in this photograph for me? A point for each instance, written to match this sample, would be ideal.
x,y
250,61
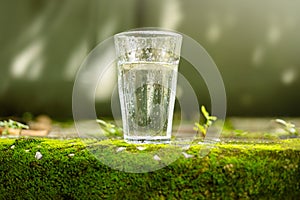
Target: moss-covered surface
x,y
68,170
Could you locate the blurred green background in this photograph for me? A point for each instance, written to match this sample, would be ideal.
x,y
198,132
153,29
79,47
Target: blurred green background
x,y
255,44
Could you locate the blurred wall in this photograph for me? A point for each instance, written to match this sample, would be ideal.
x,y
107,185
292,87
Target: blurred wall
x,y
255,45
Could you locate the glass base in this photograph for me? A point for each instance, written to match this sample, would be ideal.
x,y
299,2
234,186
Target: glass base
x,y
147,140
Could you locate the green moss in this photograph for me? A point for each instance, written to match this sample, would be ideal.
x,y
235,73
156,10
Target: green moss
x,y
229,171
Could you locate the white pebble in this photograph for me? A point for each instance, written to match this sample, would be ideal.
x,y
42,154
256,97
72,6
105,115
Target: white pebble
x,y
38,155
141,148
13,146
156,157
71,154
187,155
121,149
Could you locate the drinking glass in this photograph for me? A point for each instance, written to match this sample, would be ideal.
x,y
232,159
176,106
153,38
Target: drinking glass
x,y
147,62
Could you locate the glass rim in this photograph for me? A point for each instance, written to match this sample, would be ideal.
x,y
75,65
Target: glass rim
x,y
147,33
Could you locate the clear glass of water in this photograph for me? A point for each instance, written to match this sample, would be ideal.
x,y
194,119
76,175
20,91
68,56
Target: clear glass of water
x,y
147,78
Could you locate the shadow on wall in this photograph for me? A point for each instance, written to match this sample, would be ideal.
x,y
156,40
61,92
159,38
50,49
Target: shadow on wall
x,y
43,45
255,45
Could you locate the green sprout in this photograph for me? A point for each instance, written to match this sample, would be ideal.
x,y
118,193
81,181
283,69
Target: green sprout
x,y
288,127
109,128
12,124
208,122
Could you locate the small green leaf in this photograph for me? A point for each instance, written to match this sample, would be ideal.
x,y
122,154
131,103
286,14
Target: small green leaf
x,y
110,129
287,126
207,115
101,122
208,121
13,124
204,112
16,125
280,121
212,118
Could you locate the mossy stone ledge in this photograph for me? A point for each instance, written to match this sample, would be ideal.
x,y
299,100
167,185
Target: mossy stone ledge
x,y
69,170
